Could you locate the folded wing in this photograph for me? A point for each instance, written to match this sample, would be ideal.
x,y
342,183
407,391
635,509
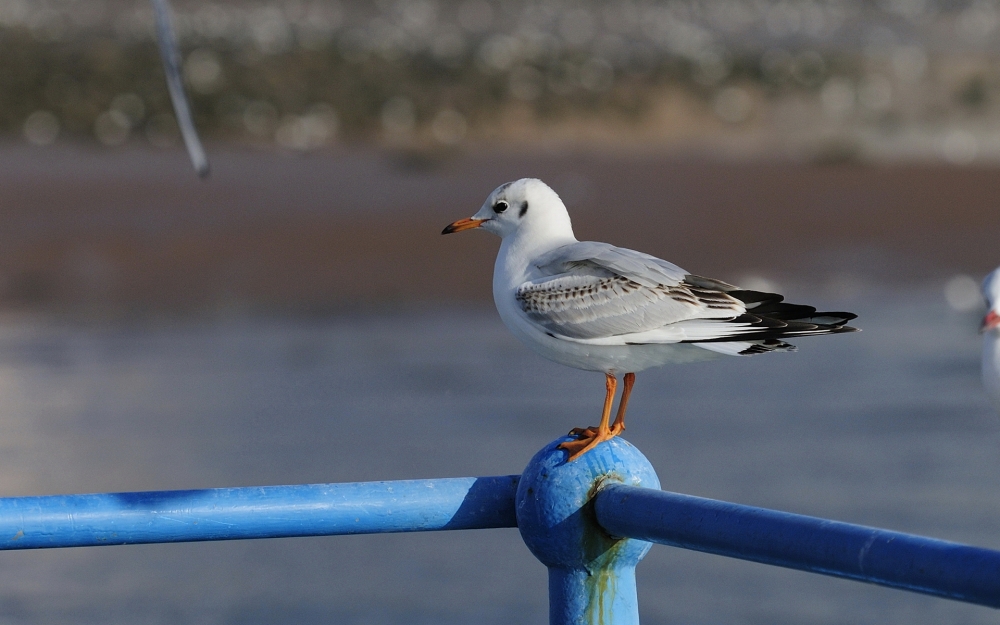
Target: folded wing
x,y
594,290
599,294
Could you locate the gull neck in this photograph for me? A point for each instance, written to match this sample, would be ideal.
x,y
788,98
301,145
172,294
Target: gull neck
x,y
518,251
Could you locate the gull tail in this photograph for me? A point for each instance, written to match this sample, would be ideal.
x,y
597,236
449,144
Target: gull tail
x,y
770,320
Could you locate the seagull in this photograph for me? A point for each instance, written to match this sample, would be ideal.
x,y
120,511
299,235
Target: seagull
x,y
991,337
597,307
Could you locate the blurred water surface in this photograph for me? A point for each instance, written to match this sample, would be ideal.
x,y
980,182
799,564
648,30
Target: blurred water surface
x,y
887,427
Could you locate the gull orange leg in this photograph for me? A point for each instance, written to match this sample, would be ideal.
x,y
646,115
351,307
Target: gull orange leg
x,y
590,438
619,425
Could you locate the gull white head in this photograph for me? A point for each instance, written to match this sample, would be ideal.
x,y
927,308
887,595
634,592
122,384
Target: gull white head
x,y
525,208
991,291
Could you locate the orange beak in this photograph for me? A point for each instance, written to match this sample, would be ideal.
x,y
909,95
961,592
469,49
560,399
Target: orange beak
x,y
463,224
990,322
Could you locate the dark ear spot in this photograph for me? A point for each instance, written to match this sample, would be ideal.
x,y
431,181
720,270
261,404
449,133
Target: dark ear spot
x,y
524,209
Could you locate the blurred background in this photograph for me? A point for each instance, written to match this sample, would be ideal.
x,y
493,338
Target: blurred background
x,y
297,317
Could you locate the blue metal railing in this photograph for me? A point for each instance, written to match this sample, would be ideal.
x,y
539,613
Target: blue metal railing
x,y
795,541
589,521
257,512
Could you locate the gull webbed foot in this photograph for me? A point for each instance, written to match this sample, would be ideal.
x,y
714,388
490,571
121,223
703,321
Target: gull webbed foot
x,y
584,444
590,437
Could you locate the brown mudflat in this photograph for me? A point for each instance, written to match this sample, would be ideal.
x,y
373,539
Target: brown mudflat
x,y
135,231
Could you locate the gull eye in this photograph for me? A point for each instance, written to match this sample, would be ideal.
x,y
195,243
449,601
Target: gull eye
x,y
500,207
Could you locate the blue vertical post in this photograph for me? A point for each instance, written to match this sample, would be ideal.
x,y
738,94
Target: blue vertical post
x,y
591,574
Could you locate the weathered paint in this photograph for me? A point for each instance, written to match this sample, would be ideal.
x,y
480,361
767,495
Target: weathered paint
x,y
259,512
894,559
591,573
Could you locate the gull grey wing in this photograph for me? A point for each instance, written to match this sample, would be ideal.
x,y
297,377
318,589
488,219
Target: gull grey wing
x,y
587,306
649,271
599,294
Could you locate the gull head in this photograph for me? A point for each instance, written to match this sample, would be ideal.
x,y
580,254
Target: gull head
x,y
991,291
524,208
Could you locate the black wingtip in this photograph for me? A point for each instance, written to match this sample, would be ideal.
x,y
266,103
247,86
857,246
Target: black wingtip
x,y
846,316
769,345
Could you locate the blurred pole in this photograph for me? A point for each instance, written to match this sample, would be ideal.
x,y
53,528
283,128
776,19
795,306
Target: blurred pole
x,y
175,84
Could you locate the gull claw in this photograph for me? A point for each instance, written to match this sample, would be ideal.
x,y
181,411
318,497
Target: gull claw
x,y
588,439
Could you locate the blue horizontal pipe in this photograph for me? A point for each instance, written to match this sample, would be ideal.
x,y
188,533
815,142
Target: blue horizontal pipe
x,y
915,563
258,512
